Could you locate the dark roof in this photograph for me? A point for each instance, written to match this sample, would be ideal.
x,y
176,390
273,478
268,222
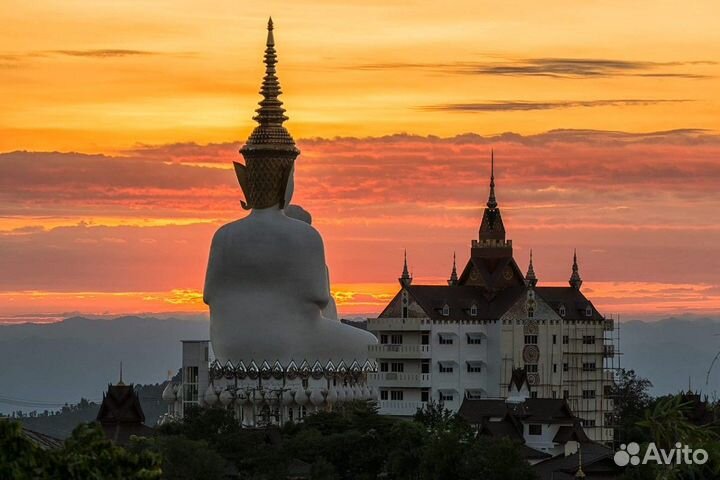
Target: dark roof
x,y
532,454
120,404
41,440
595,458
544,410
460,298
121,415
532,410
518,378
475,411
567,433
574,301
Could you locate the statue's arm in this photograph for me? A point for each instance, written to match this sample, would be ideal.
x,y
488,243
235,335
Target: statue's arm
x,y
214,266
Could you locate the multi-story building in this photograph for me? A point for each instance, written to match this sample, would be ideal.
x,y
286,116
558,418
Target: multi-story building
x,y
445,343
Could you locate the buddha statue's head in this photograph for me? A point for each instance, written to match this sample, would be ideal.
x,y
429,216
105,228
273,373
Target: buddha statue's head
x,y
270,151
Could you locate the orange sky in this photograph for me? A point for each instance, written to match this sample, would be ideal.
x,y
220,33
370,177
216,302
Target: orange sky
x,y
158,96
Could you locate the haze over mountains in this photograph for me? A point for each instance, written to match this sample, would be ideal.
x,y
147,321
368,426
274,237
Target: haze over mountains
x,y
45,365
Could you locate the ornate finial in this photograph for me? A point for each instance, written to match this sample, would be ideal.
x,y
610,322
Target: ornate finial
x,y
405,279
575,280
530,277
270,151
453,280
492,203
121,376
579,473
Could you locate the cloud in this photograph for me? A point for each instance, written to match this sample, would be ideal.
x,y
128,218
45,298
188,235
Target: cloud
x,y
516,106
552,67
104,53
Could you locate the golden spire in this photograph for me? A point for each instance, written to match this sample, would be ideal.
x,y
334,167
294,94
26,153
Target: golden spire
x,y
530,277
453,280
492,203
575,280
405,279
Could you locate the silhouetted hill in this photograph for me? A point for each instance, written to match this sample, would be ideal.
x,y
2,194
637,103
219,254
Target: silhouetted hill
x,y
62,362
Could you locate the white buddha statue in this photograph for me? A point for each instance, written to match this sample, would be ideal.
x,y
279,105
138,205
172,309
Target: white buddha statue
x,y
267,283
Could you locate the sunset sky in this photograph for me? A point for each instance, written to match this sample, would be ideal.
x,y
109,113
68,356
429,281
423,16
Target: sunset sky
x,y
120,120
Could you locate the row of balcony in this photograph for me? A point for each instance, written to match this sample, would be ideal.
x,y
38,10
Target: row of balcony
x,y
400,379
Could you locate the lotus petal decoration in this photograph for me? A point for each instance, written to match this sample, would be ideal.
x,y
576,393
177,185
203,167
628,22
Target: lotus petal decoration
x,y
301,397
316,397
168,394
226,397
211,396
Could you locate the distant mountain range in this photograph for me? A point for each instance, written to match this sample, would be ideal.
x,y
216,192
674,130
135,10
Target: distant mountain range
x,y
46,365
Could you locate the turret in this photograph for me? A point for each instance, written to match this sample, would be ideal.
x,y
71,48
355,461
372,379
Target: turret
x,y
530,277
405,279
575,280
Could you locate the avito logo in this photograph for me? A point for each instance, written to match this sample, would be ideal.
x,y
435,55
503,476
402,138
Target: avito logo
x,y
682,454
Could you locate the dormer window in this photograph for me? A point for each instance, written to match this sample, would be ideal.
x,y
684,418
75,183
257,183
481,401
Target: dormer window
x,y
446,310
588,311
531,313
562,310
473,311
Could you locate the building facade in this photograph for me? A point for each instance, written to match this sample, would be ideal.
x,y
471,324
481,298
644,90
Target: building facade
x,y
446,343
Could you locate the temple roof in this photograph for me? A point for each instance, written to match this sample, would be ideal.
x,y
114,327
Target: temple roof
x,y
574,301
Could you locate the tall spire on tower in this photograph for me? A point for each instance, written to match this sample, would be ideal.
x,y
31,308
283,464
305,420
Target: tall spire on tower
x,y
492,203
453,280
492,231
530,277
270,150
405,279
575,280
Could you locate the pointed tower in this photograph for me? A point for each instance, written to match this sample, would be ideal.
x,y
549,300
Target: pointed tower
x,y
453,280
270,150
405,279
492,230
530,277
575,280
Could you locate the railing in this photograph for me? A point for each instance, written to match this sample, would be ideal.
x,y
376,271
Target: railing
x,y
400,350
399,407
399,324
391,379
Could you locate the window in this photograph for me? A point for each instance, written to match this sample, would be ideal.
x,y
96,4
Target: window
x,y
425,395
562,310
473,311
425,366
474,367
446,310
566,394
445,367
566,339
404,312
383,394
384,366
404,304
588,339
445,339
473,394
396,339
474,339
383,339
531,368
554,394
566,367
608,390
531,339
534,429
586,422
531,313
554,339
588,394
425,339
588,311
533,394
396,394
397,367
554,367
446,397
588,367
191,387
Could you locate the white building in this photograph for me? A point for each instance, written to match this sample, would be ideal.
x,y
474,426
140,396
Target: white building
x,y
448,343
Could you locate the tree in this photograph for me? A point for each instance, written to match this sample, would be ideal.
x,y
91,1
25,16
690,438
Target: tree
x,y
631,398
20,459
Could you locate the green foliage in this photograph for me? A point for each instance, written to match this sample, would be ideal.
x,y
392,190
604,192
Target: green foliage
x,y
631,398
353,442
86,455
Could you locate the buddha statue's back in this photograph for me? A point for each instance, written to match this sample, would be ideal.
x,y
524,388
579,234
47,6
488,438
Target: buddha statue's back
x,y
267,283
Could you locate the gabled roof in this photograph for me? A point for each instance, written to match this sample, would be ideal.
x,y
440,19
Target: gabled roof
x,y
460,299
518,378
567,433
595,457
544,410
120,405
574,301
475,411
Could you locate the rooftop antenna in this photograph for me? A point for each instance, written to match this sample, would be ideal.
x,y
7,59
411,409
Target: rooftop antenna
x,y
121,374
